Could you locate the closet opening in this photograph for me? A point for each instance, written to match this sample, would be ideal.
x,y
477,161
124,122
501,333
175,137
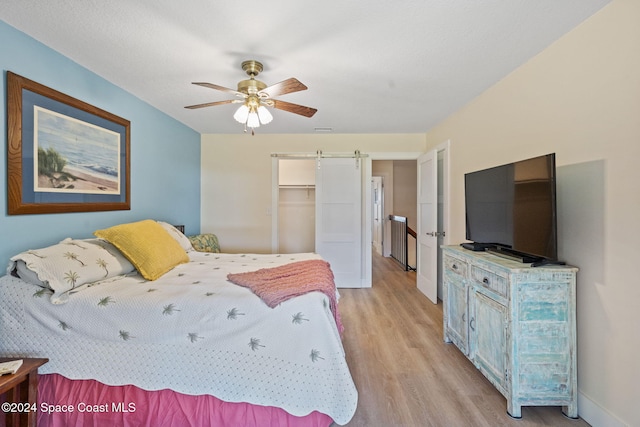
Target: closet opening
x,y
296,205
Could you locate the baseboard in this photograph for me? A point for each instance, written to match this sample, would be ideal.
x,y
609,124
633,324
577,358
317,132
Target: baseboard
x,y
595,415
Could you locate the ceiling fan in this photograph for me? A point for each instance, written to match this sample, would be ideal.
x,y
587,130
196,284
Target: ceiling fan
x,y
255,96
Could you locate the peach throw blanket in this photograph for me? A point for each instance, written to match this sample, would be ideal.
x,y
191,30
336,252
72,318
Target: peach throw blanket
x,y
278,284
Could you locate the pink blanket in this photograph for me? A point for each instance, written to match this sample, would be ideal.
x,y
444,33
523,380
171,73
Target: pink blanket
x,y
278,284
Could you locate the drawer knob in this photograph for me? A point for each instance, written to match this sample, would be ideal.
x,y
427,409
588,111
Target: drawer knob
x,y
485,280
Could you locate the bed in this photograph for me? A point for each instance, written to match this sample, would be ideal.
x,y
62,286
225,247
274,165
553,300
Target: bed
x,y
187,348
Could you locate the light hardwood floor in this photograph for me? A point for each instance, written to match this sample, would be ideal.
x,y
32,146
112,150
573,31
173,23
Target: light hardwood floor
x,y
405,374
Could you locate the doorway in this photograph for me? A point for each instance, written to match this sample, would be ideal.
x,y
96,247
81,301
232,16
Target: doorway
x,y
398,193
296,210
440,208
377,210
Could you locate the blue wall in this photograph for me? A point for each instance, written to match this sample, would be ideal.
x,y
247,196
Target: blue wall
x,y
165,154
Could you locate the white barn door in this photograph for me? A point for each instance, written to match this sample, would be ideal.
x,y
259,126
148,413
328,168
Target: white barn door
x,y
427,256
339,218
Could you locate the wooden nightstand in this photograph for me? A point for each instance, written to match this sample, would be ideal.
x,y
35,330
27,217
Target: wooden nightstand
x,y
21,388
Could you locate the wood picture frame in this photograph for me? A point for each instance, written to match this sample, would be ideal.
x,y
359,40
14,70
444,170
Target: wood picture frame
x,y
63,154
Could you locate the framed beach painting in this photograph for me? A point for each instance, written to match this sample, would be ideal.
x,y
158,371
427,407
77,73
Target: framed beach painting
x,y
63,155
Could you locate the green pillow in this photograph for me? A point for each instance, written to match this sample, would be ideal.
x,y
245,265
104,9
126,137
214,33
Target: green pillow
x,y
205,242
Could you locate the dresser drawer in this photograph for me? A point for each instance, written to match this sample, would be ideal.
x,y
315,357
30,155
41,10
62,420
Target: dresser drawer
x,y
455,265
490,280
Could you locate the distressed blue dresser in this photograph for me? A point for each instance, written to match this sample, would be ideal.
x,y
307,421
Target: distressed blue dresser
x,y
516,323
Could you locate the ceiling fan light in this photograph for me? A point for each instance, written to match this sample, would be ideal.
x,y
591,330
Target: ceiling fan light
x,y
264,115
252,120
242,114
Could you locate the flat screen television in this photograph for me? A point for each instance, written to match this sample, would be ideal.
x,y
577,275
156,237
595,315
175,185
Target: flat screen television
x,y
511,209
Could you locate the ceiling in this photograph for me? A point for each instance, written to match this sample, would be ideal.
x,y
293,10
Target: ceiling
x,y
373,66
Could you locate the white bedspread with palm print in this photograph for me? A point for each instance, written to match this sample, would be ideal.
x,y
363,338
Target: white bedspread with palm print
x,y
191,331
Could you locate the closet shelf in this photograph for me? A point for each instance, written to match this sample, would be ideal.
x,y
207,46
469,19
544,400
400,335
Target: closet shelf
x,y
296,186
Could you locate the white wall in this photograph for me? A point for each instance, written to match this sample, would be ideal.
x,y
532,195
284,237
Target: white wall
x,y
236,178
296,220
405,190
580,98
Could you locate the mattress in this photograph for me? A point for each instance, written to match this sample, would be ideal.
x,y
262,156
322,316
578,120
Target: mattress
x,y
191,331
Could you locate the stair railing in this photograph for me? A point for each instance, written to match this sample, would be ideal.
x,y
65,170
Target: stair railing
x,y
400,232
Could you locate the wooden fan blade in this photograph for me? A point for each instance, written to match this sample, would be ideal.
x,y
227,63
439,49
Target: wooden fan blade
x,y
222,88
294,108
211,104
287,86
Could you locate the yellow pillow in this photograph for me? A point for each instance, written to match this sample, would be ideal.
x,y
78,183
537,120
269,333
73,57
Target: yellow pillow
x,y
147,245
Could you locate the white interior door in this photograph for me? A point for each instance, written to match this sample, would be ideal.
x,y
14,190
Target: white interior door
x,y
427,256
339,218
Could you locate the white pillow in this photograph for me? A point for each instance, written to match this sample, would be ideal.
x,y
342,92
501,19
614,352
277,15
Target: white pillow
x,y
27,275
176,234
69,264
